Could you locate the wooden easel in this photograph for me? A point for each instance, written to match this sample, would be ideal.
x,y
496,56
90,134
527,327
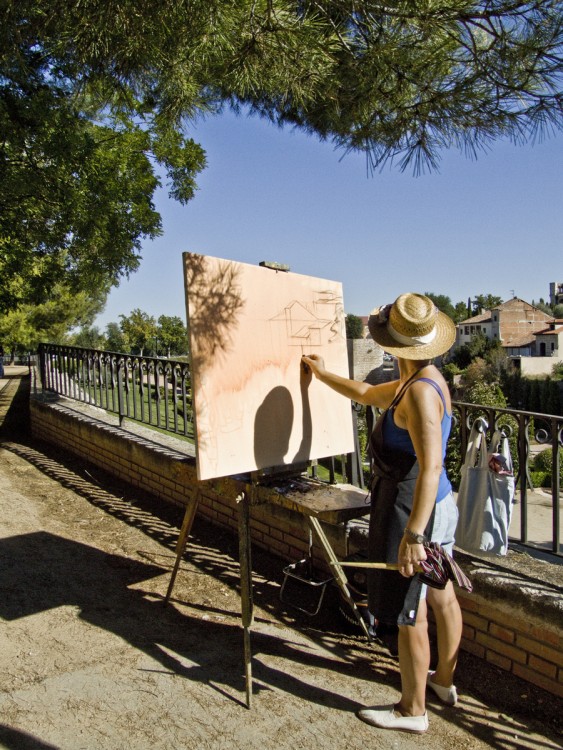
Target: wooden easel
x,y
245,499
181,544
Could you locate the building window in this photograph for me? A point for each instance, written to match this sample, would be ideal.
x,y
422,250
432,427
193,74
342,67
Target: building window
x,y
467,330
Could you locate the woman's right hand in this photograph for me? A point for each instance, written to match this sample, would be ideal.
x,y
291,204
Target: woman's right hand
x,y
313,363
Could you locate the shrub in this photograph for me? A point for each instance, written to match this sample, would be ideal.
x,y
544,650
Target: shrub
x,y
542,468
449,372
543,461
478,372
541,478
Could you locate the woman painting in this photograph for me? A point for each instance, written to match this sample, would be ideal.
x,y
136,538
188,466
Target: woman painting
x,y
411,500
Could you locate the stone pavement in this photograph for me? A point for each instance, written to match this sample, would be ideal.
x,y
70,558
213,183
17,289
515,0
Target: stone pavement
x,y
92,661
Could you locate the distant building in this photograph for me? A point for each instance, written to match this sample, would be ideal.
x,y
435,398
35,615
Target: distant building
x,y
555,293
481,323
549,342
514,323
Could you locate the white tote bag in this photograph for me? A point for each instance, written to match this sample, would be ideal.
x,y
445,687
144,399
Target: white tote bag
x,y
485,495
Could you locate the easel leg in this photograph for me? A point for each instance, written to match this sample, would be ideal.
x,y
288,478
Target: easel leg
x,y
339,575
246,587
187,523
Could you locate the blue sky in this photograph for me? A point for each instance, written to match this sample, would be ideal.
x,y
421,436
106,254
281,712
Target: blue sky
x,y
492,225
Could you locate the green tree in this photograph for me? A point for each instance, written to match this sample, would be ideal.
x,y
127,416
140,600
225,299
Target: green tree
x,y
478,372
497,359
490,367
450,371
90,337
479,345
139,329
460,312
77,173
354,327
115,340
552,397
443,303
558,311
17,334
461,356
534,396
93,96
485,302
172,335
23,329
543,306
513,387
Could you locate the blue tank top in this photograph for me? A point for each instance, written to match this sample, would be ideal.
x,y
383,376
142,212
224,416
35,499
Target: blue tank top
x,y
399,439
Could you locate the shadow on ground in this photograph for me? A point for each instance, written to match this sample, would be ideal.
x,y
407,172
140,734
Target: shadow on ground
x,y
41,570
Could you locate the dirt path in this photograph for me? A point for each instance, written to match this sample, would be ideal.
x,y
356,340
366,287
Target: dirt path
x,y
91,659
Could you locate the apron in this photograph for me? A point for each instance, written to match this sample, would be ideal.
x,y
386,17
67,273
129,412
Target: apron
x,y
392,598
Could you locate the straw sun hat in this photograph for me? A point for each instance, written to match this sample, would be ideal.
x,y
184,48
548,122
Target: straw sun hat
x,y
412,328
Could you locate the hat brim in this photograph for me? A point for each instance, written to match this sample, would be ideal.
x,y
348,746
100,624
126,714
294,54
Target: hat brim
x,y
440,344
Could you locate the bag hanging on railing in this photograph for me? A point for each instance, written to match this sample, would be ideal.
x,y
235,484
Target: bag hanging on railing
x,y
486,494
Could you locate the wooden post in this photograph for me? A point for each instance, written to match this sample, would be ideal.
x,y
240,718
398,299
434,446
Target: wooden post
x,y
247,606
339,576
189,515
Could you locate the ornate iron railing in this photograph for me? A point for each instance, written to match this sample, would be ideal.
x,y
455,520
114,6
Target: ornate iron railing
x,y
154,391
529,432
157,392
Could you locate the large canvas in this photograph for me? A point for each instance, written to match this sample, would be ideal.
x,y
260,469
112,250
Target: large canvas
x,y
254,407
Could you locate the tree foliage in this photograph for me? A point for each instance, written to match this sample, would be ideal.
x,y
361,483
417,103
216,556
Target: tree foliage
x,y
457,312
557,371
90,337
485,302
77,174
23,329
543,306
139,330
95,95
354,327
443,303
114,338
172,336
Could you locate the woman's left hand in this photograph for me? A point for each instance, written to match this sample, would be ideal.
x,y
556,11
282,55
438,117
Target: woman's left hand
x,y
410,555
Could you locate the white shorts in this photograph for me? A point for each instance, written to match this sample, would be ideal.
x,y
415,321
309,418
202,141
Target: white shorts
x,y
445,522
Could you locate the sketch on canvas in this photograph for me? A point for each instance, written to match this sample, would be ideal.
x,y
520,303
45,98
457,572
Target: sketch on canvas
x,y
254,407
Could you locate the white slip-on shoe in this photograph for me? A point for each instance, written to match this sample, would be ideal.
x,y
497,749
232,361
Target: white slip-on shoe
x,y
447,695
386,717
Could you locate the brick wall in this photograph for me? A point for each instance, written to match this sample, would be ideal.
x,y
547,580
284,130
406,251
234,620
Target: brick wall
x,y
518,318
529,646
503,631
171,475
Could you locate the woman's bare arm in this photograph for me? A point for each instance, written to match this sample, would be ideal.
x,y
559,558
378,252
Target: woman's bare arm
x,y
363,393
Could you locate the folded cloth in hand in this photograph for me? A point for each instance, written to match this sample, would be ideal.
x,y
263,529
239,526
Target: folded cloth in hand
x,y
439,568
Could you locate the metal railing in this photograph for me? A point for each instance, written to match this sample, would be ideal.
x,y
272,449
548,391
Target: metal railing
x,y
154,391
529,432
157,392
